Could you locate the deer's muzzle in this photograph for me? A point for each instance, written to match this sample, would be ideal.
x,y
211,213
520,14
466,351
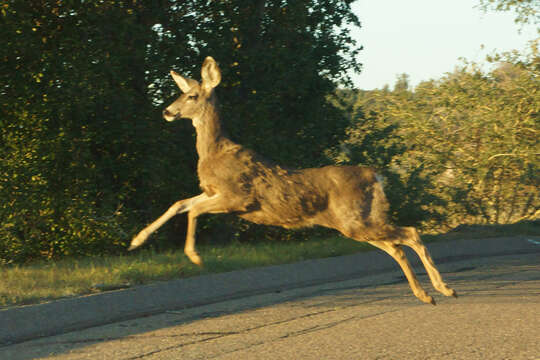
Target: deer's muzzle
x,y
169,116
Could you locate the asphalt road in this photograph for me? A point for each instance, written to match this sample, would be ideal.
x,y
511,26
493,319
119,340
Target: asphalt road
x,y
495,317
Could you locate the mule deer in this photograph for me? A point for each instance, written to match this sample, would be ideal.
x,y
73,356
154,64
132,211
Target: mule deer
x,y
235,180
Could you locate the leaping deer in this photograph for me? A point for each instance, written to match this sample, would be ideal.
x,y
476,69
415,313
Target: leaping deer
x,y
235,180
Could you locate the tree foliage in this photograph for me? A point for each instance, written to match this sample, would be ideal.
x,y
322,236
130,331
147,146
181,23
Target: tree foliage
x,y
473,135
85,158
526,11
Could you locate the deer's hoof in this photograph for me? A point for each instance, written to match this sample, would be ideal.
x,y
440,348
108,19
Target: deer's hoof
x,y
425,298
134,244
194,258
137,241
446,291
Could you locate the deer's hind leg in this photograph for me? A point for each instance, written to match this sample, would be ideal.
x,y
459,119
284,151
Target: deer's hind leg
x,y
412,240
384,238
398,254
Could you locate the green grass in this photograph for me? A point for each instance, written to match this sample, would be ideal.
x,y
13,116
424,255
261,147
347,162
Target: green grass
x,y
45,281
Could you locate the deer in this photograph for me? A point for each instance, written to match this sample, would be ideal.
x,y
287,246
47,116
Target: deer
x,y
234,179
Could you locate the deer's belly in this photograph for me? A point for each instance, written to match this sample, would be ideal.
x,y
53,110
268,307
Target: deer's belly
x,y
287,211
264,218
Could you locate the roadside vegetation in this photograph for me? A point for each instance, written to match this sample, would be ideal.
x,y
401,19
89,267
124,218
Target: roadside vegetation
x,y
460,149
45,281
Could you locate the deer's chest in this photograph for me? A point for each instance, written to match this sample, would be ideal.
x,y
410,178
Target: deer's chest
x,y
223,175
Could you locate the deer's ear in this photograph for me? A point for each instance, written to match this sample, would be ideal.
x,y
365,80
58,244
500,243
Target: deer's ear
x,y
210,73
185,84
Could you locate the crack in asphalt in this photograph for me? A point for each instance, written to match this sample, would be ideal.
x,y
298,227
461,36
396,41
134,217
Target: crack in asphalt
x,y
280,322
225,334
174,347
143,336
315,328
305,331
217,335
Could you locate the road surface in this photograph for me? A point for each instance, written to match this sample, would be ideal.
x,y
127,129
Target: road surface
x,y
495,317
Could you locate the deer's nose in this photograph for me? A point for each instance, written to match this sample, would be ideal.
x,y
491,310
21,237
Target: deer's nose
x,y
166,113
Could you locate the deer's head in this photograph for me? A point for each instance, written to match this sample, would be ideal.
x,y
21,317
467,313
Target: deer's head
x,y
196,96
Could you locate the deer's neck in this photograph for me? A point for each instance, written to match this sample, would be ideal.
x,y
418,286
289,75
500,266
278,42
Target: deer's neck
x,y
209,133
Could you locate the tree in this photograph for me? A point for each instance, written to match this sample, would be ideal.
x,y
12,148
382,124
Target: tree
x,y
464,147
402,83
85,156
477,133
76,128
526,11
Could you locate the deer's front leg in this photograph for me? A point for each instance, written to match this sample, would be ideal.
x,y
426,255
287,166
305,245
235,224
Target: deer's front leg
x,y
206,205
177,208
209,205
189,247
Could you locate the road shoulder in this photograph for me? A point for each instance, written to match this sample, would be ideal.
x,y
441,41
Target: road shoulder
x,y
57,317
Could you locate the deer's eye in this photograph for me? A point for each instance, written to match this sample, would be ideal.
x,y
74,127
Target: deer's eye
x,y
193,97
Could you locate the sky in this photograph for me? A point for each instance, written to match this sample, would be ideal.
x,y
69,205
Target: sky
x,y
426,38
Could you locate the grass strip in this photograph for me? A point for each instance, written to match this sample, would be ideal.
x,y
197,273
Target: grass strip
x,y
44,281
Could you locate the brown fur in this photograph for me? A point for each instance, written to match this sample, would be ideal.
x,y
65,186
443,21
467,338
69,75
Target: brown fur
x,y
234,179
